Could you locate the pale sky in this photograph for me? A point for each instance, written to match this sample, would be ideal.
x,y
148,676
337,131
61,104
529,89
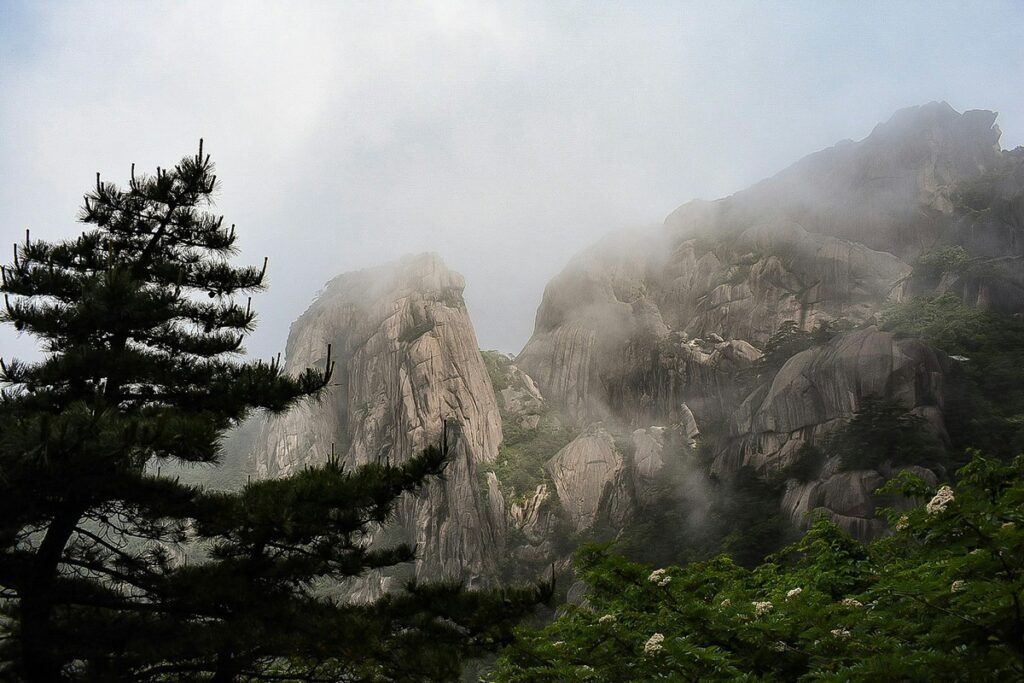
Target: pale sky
x,y
504,136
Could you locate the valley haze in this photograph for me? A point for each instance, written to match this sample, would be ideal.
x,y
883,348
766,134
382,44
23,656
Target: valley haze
x,y
505,137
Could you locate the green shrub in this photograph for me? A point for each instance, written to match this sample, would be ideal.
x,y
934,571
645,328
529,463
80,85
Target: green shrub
x,y
984,397
883,431
523,454
934,264
498,365
939,599
806,465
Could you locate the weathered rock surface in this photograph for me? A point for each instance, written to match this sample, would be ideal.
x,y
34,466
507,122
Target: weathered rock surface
x,y
641,324
825,384
607,354
833,236
520,399
407,360
648,461
591,478
892,191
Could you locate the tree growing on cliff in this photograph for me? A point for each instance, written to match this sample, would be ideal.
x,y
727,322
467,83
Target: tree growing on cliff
x,y
110,571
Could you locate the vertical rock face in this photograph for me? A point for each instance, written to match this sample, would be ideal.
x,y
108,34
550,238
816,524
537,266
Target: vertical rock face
x,y
825,383
640,326
834,236
407,360
600,356
815,392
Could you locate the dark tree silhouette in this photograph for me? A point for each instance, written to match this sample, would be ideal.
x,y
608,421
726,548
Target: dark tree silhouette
x,y
110,571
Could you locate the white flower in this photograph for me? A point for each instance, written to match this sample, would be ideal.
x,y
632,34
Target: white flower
x,y
942,498
653,644
726,602
793,593
658,576
559,643
1007,525
607,619
840,633
958,586
761,608
902,523
852,602
977,551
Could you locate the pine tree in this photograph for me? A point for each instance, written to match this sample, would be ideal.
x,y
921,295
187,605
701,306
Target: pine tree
x,y
110,571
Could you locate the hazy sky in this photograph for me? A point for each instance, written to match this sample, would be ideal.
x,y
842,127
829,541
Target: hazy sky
x,y
504,136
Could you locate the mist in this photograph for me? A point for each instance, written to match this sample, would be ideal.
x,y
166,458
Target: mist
x,y
505,138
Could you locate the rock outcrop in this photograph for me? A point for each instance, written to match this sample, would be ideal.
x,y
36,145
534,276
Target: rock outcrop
x,y
406,361
834,236
641,324
591,479
822,385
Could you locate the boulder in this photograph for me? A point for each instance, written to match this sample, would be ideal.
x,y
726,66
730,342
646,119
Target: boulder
x,y
591,478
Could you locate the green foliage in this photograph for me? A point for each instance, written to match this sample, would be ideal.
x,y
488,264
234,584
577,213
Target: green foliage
x,y
947,323
790,339
882,431
747,515
498,366
524,452
693,516
934,264
806,465
984,405
940,599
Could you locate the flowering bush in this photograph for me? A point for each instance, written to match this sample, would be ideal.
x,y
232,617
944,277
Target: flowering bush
x,y
939,600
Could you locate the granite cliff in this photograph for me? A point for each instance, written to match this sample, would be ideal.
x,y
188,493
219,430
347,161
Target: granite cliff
x,y
657,362
407,363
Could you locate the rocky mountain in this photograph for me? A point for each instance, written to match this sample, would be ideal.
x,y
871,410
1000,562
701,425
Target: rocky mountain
x,y
740,337
638,326
407,362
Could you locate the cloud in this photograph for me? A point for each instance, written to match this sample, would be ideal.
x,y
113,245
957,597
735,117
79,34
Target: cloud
x,y
505,137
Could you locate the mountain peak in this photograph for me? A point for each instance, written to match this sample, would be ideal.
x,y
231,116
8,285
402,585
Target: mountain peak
x,y
947,131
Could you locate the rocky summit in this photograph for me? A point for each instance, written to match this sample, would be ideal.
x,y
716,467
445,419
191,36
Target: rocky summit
x,y
742,336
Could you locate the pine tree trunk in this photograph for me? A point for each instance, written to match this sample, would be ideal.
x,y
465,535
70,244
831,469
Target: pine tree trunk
x,y
39,662
227,669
